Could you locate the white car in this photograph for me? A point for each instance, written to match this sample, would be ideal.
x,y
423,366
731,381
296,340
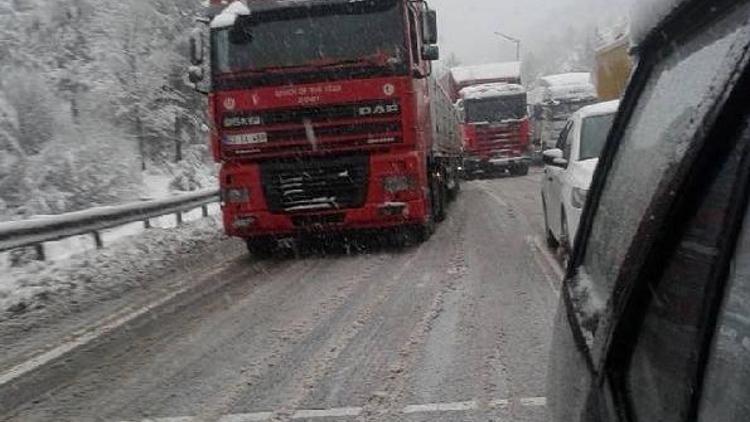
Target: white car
x,y
569,168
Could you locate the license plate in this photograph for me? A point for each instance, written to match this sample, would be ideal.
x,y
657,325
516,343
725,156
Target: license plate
x,y
248,138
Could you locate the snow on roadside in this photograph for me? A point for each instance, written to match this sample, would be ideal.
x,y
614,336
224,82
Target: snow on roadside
x,y
119,267
156,185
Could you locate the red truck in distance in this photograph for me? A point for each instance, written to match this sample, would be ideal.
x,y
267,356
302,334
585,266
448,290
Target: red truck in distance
x,y
494,118
496,129
326,118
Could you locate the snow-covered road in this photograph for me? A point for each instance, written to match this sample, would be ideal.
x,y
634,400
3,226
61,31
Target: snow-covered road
x,y
455,329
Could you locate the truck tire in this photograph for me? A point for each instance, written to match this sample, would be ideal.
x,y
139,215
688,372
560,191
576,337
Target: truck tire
x,y
438,190
519,170
261,248
453,192
425,231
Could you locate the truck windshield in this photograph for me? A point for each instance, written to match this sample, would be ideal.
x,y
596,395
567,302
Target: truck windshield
x,y
370,32
564,109
496,109
594,135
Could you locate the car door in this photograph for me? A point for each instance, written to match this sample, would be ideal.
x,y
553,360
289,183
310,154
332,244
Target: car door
x,y
552,179
677,128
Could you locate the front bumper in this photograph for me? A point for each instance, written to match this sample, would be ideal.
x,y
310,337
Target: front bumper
x,y
474,164
371,216
378,209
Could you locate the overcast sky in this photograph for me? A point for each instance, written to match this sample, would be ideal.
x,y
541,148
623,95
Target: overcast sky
x,y
467,26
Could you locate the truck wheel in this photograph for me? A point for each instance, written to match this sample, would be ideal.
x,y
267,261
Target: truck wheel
x,y
453,192
425,231
520,170
438,190
261,248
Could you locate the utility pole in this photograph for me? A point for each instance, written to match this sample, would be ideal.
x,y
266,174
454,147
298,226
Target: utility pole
x,y
514,40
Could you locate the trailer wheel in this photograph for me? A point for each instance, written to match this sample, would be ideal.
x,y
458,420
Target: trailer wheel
x,y
438,190
453,192
262,248
519,170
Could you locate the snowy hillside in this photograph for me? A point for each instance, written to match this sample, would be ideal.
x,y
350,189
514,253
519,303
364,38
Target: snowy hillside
x,y
91,93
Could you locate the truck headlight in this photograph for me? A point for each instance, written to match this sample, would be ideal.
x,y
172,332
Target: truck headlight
x,y
236,195
578,197
395,184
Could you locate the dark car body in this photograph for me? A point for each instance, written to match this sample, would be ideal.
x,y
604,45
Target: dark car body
x,y
654,317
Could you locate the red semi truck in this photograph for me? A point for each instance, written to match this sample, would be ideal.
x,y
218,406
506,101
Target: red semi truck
x,y
326,118
496,129
494,118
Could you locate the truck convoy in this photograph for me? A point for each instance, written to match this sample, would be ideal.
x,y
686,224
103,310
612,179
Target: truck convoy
x,y
554,100
494,118
326,118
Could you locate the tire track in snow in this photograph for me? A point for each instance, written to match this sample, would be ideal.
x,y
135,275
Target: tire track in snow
x,y
389,401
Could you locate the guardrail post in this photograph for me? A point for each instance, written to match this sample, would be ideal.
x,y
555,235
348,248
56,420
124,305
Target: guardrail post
x,y
40,255
204,209
147,223
98,240
178,215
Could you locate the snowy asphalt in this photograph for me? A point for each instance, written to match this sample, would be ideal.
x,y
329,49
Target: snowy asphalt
x,y
457,329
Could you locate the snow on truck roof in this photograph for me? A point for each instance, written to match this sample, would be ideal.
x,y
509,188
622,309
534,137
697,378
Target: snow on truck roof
x,y
563,87
483,91
609,107
566,79
228,16
486,72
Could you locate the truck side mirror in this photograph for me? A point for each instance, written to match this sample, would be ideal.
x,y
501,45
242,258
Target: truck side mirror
x,y
430,27
430,52
196,47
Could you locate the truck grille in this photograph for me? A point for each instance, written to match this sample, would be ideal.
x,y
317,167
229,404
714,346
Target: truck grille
x,y
298,116
316,184
311,128
500,139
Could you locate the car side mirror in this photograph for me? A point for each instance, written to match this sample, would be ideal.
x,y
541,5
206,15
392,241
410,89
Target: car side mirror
x,y
430,52
196,47
554,157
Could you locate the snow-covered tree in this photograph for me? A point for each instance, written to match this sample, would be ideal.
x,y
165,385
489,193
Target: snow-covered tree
x,y
89,92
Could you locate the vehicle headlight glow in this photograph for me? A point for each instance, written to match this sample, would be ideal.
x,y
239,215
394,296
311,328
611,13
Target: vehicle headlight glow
x,y
395,184
578,197
236,195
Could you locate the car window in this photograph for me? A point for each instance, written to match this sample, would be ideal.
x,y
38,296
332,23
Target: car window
x,y
727,381
594,131
563,138
665,357
568,145
678,95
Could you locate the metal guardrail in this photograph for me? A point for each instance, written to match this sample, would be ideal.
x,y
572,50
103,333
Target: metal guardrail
x,y
35,232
